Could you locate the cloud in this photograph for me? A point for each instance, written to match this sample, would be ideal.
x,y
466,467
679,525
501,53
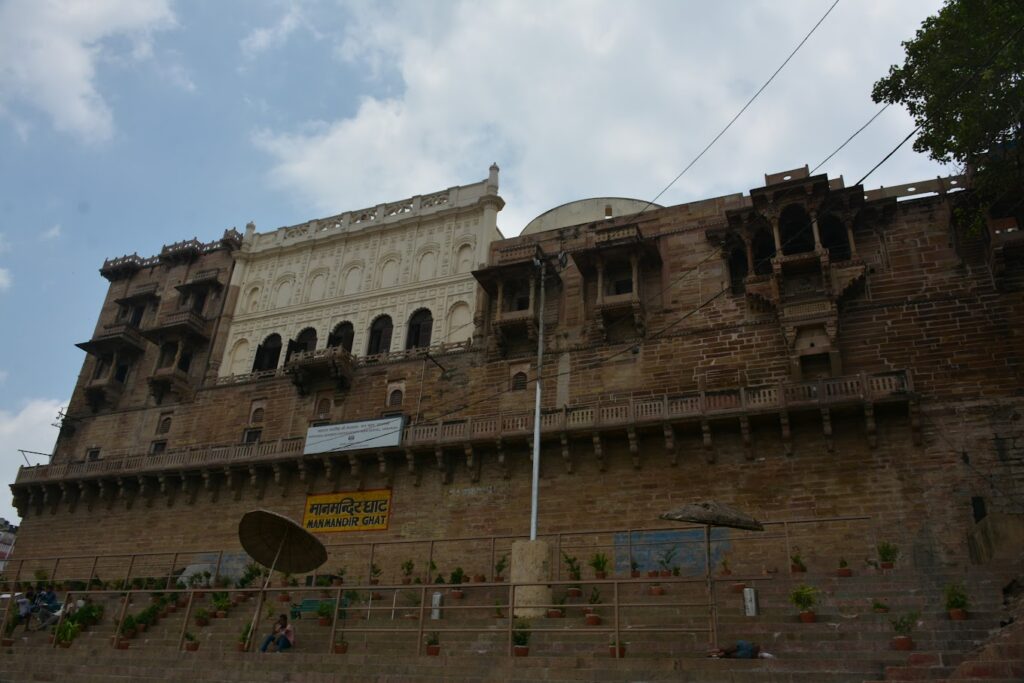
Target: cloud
x,y
260,40
579,99
51,234
31,429
5,279
49,51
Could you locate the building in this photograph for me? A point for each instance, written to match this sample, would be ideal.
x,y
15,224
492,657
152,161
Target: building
x,y
845,361
8,534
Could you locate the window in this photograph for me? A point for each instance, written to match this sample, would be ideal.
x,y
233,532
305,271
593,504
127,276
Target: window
x,y
420,325
121,372
257,416
395,399
157,447
519,381
737,269
92,454
102,366
380,336
764,251
167,353
305,341
252,435
834,238
185,361
199,301
163,426
323,407
619,279
267,354
795,230
341,336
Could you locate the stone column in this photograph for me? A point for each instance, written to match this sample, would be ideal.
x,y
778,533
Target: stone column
x,y
849,237
531,562
775,233
749,244
814,229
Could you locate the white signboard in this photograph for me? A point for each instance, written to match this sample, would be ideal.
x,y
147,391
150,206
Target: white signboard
x,y
351,436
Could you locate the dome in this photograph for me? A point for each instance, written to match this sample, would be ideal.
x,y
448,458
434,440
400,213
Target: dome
x,y
585,211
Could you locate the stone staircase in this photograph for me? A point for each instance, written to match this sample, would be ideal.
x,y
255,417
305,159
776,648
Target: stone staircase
x,y
848,644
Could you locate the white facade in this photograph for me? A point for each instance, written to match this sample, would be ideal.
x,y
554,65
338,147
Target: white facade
x,y
393,259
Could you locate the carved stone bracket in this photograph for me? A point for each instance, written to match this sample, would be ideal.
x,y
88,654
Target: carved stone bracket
x,y
869,425
472,463
705,430
502,459
599,451
211,484
354,465
670,444
257,481
167,488
191,486
566,453
787,435
634,447
826,428
748,446
147,490
442,465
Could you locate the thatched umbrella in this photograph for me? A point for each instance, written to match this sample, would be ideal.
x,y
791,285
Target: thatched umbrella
x,y
712,513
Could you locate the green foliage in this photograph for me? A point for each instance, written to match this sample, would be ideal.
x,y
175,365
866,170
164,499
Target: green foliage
x,y
521,632
956,596
147,616
804,597
843,564
572,565
666,556
67,631
201,614
501,565
190,637
904,625
595,596
888,552
599,562
962,80
221,601
879,606
457,576
324,610
323,581
433,638
244,635
127,624
798,562
375,571
352,596
407,567
340,636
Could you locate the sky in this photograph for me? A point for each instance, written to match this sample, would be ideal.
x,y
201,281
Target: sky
x,y
129,124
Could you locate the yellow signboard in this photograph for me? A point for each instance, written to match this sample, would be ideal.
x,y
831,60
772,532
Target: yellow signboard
x,y
348,511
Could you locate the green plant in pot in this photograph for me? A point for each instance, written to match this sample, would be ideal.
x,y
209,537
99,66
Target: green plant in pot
x,y
796,564
455,579
202,617
805,598
616,648
572,566
903,626
956,601
499,568
340,644
593,618
887,554
665,559
879,607
844,568
407,567
323,613
599,563
191,644
375,573
433,641
128,627
243,637
521,638
68,630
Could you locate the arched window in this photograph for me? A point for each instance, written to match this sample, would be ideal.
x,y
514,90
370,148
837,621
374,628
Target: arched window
x,y
519,381
252,299
267,354
428,265
764,251
460,323
737,268
834,238
795,230
389,273
420,325
464,259
257,416
395,399
352,280
167,353
283,295
380,336
317,287
341,336
305,341
164,426
240,357
323,407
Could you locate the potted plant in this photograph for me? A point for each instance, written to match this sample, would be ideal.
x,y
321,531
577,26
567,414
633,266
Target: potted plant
x,y
456,578
655,589
128,628
634,569
599,563
796,564
221,604
323,613
887,554
433,644
593,618
616,649
499,613
725,571
572,566
844,568
956,601
521,638
375,573
665,560
407,567
903,626
499,568
557,612
202,617
191,644
243,638
324,582
340,645
338,578
879,607
66,632
805,597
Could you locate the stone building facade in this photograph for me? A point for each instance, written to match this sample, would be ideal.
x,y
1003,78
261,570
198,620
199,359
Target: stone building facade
x,y
843,361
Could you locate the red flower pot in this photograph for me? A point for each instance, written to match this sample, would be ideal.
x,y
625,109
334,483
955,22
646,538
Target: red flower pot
x,y
958,614
885,565
457,594
593,620
902,643
634,574
600,575
574,593
652,574
200,621
499,579
433,650
221,613
844,571
191,645
520,650
808,617
555,613
665,572
797,569
738,587
324,621
406,580
479,578
284,597
656,590
7,642
122,644
340,648
621,651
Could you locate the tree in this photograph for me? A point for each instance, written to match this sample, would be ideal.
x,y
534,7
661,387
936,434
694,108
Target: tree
x,y
963,82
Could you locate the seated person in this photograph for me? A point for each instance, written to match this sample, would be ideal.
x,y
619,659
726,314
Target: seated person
x,y
26,604
744,649
283,635
48,598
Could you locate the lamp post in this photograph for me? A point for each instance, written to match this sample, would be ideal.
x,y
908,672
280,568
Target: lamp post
x,y
536,410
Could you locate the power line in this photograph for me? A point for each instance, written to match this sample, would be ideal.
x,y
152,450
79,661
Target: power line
x,y
855,134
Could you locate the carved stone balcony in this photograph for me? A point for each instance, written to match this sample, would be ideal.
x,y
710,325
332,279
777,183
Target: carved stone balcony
x,y
122,338
170,379
612,308
307,368
179,325
103,390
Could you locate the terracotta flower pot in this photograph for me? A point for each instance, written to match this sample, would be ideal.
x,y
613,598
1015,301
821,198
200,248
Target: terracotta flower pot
x,y
128,634
554,613
634,574
665,572
844,571
797,569
122,644
182,602
141,628
284,597
324,621
593,620
520,650
574,593
457,594
337,582
340,648
7,642
656,590
885,565
499,579
621,651
479,578
652,573
65,643
221,613
902,643
202,621
600,575
374,582
406,580
191,645
958,614
808,617
726,572
738,587
433,650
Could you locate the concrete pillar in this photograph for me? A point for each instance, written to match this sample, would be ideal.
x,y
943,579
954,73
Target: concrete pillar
x,y
849,238
749,244
814,229
531,562
776,235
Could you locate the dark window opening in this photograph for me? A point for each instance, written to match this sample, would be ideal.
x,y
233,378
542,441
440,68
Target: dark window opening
x,y
199,301
304,342
185,361
157,447
519,381
257,416
92,454
815,366
102,367
834,238
517,296
267,354
341,336
737,269
319,423
795,230
167,353
121,373
163,426
420,325
764,251
380,336
252,435
619,280
323,407
978,508
395,399
137,312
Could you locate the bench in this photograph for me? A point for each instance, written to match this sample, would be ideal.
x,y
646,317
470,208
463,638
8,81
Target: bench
x,y
311,606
